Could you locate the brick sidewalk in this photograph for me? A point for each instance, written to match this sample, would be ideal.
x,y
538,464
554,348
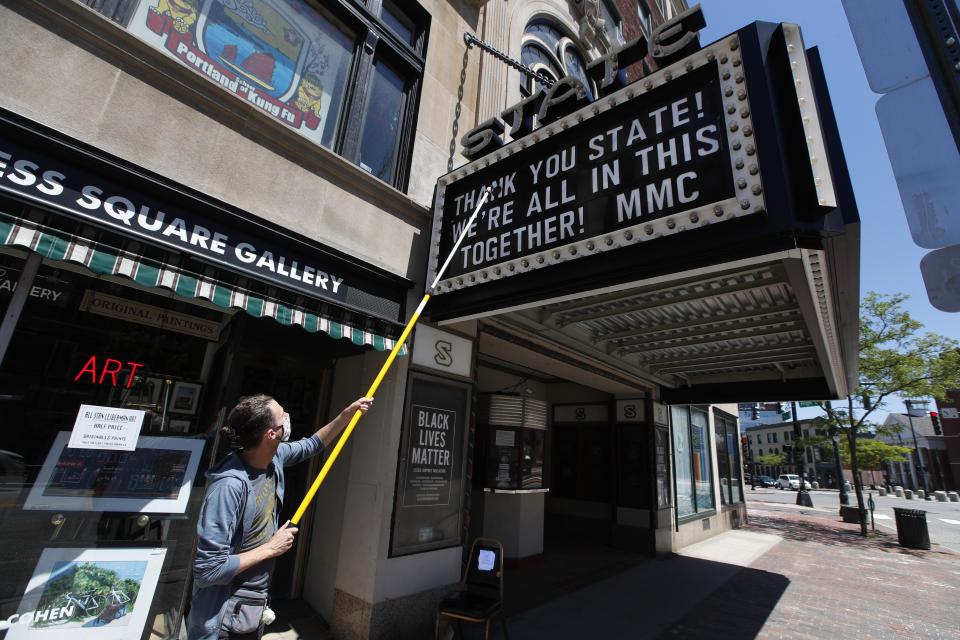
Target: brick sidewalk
x,y
826,581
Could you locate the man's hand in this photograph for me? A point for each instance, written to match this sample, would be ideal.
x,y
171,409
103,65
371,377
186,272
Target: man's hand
x,y
281,541
332,429
360,404
277,545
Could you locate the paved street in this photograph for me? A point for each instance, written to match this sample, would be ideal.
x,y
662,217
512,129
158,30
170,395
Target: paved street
x,y
943,518
790,573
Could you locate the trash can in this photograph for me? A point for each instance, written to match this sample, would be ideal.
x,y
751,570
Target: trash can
x,y
912,528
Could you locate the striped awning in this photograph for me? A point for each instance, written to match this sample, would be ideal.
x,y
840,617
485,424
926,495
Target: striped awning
x,y
103,259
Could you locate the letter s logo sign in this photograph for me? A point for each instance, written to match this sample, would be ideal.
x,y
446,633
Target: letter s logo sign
x,y
630,411
444,355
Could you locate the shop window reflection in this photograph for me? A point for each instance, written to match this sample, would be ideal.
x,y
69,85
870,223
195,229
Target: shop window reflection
x,y
692,467
66,351
398,22
380,141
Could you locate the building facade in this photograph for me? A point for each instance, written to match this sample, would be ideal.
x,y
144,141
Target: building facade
x,y
202,199
949,411
819,461
929,465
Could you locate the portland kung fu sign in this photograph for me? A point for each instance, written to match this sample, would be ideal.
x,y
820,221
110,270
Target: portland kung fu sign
x,y
670,152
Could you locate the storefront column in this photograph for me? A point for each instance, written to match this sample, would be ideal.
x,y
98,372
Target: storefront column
x,y
515,518
350,578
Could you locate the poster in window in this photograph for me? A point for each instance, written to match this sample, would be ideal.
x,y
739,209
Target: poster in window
x,y
430,456
102,594
428,507
286,58
156,477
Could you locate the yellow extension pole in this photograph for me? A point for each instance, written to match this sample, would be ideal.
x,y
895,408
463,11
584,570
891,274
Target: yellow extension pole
x,y
383,370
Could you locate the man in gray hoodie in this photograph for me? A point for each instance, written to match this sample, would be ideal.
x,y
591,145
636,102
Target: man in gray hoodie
x,y
238,533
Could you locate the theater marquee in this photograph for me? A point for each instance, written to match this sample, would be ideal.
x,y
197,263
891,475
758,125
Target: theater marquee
x,y
671,152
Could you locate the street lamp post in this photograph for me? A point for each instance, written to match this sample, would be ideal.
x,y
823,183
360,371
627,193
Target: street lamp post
x,y
916,450
803,496
844,496
841,484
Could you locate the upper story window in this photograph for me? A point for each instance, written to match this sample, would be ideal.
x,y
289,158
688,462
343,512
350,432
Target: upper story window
x,y
345,74
549,51
646,17
613,23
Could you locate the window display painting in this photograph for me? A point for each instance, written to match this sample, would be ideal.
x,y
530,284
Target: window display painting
x,y
154,478
288,59
88,593
185,398
144,393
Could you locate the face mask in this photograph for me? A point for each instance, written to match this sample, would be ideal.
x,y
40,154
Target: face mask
x,y
286,428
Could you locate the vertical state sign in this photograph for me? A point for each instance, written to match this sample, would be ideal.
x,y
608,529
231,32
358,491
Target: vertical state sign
x,y
672,152
430,457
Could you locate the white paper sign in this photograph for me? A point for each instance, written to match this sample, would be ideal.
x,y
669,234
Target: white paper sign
x,y
505,438
486,560
106,428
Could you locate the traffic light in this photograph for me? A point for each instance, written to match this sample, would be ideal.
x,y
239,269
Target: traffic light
x,y
754,413
935,420
745,448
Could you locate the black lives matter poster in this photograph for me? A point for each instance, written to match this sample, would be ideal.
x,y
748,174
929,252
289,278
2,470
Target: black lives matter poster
x,y
430,455
429,499
658,154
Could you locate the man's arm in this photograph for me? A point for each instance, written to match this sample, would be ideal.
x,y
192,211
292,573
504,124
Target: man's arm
x,y
213,563
332,429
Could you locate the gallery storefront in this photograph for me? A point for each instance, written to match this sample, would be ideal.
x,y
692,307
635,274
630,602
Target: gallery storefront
x,y
168,243
135,312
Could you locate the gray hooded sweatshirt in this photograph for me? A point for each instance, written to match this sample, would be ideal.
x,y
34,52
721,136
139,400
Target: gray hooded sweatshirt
x,y
219,537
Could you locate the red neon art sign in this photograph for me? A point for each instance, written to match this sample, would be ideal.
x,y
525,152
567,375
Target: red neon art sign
x,y
111,367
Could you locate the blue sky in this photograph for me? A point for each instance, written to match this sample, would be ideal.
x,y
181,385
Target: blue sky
x,y
889,261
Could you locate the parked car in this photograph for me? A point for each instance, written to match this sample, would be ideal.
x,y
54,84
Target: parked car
x,y
766,481
791,481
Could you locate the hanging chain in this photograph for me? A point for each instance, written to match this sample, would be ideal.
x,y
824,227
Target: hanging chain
x,y
471,39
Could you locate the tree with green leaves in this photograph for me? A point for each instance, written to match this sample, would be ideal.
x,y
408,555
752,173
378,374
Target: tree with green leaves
x,y
871,454
896,361
772,460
